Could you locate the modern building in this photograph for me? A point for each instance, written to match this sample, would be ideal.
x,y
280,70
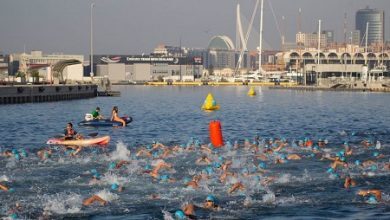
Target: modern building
x,y
310,40
376,24
136,68
355,37
49,66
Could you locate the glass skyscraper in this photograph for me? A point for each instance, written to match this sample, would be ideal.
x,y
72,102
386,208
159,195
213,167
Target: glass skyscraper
x,y
376,24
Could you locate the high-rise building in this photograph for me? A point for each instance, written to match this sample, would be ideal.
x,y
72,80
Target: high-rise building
x,y
355,37
376,24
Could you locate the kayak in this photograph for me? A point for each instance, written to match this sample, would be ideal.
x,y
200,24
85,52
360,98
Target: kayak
x,y
105,122
82,142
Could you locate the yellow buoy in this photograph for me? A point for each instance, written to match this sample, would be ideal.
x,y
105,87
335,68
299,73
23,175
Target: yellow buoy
x,y
209,103
252,92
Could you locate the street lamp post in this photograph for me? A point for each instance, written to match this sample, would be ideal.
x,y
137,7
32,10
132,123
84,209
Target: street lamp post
x,y
91,58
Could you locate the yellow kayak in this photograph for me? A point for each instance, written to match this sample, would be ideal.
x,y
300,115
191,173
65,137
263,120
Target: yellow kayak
x,y
81,142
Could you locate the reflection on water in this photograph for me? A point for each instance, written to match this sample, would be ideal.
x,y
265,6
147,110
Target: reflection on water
x,y
302,188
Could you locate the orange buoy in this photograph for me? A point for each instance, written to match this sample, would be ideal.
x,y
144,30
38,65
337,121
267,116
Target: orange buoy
x,y
216,134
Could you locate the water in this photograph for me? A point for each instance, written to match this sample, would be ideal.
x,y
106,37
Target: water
x,y
300,189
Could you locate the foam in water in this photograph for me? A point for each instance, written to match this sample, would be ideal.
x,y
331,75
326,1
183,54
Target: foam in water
x,y
107,195
167,215
269,198
284,178
62,203
121,152
378,145
4,178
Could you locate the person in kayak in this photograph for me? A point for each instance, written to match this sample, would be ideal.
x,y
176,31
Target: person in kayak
x,y
115,117
96,114
70,133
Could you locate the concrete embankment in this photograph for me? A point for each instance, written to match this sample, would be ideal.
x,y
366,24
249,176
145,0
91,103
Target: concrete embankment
x,y
313,88
45,93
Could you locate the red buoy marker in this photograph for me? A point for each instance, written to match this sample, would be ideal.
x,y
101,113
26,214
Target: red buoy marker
x,y
216,134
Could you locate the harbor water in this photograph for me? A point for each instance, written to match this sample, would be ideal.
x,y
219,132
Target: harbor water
x,y
297,189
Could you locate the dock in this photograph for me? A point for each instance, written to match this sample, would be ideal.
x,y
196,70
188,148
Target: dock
x,y
14,94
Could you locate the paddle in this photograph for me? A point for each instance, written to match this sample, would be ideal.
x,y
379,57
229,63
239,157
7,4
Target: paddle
x,y
94,134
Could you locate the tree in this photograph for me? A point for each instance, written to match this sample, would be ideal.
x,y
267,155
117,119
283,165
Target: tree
x,y
35,75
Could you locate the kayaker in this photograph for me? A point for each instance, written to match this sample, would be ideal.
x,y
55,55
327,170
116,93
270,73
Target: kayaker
x,y
96,114
70,133
115,117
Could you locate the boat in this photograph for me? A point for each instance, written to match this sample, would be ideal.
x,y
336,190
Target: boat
x,y
105,122
81,142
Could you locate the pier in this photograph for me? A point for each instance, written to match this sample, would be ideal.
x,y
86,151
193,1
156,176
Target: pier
x,y
15,94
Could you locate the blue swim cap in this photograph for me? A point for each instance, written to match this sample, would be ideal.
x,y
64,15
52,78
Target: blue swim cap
x,y
211,198
96,175
372,199
210,145
46,154
262,165
24,153
111,165
186,180
330,170
148,167
11,190
114,186
245,170
374,167
375,154
342,159
148,147
179,214
14,151
346,143
93,171
164,177
217,165
13,216
209,170
17,156
357,162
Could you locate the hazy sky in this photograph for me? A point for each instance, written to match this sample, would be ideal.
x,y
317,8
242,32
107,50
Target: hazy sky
x,y
138,26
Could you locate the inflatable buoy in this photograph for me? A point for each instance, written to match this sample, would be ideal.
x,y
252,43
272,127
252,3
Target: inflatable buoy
x,y
251,92
209,103
216,134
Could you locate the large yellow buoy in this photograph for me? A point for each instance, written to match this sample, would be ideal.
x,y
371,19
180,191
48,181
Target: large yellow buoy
x,y
209,103
251,92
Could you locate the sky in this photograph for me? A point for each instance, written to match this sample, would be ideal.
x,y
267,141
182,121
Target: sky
x,y
138,26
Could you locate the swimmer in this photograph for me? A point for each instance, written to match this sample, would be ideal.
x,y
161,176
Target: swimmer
x,y
262,157
347,149
93,199
44,153
235,187
211,203
203,160
349,182
116,187
144,152
4,187
7,153
121,163
293,157
321,143
375,192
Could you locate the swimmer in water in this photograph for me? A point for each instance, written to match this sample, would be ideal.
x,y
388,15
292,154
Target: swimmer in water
x,y
211,203
371,192
93,199
235,187
44,153
4,187
293,157
349,182
204,160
